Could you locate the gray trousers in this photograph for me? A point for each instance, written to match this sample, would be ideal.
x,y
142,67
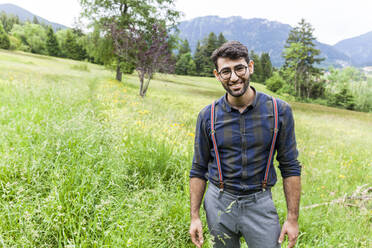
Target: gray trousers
x,y
229,217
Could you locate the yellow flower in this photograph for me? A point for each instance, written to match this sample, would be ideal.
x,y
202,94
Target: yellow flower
x,y
143,112
191,134
341,176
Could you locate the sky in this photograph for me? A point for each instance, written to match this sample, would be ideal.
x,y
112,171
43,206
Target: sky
x,y
332,20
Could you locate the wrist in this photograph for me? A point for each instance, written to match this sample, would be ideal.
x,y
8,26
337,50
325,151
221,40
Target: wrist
x,y
292,218
195,216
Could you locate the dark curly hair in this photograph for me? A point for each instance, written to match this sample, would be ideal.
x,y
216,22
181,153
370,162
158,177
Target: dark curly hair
x,y
231,50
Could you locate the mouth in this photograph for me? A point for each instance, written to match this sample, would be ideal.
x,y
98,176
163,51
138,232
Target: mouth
x,y
236,86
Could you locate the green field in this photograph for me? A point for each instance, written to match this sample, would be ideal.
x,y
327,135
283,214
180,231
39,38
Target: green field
x,y
86,162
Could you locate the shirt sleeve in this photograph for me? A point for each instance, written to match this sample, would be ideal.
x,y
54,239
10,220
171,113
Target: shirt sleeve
x,y
201,149
287,152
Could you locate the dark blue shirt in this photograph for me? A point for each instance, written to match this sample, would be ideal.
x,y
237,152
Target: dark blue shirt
x,y
244,141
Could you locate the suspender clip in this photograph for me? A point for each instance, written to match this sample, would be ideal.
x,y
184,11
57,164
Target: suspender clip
x,y
264,185
221,186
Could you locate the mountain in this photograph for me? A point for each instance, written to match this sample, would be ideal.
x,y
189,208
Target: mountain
x,y
257,34
25,15
359,49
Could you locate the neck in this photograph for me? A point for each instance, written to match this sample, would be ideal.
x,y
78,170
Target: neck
x,y
242,101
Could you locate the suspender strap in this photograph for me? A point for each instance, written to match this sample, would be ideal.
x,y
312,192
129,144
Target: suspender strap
x,y
215,147
275,109
264,182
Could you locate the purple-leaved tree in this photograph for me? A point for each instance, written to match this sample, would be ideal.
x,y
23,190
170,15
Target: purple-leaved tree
x,y
149,50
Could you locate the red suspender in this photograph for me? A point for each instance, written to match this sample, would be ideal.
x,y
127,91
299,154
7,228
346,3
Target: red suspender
x,y
275,109
215,147
264,182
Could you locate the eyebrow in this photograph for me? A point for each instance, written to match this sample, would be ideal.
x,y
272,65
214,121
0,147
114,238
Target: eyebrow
x,y
224,68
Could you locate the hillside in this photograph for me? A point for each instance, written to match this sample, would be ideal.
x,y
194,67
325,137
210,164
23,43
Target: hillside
x,y
25,15
260,35
86,162
359,49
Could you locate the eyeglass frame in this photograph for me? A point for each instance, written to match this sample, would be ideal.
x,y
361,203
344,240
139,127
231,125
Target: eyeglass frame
x,y
234,70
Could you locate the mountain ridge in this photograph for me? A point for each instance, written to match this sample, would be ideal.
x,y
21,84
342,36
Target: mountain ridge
x,y
263,36
25,15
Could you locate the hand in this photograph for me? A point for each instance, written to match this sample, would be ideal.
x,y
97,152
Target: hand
x,y
291,229
196,232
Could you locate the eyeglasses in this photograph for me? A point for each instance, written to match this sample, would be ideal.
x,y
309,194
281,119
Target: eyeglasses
x,y
239,71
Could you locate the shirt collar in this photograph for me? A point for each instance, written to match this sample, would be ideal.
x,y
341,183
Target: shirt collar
x,y
227,107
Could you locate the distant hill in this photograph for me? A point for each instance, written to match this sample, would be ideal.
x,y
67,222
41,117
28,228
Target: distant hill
x,y
257,34
25,15
359,49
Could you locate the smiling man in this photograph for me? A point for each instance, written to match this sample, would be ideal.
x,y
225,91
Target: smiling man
x,y
235,140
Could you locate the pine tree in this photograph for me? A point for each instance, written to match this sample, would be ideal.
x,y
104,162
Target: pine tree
x,y
73,49
185,65
4,39
257,74
8,21
300,57
221,39
210,45
198,58
52,43
35,20
184,48
267,69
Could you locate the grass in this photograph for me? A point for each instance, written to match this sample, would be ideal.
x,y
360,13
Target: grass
x,y
86,162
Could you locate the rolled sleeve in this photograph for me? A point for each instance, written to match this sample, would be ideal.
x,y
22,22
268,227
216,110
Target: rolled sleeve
x,y
201,149
287,152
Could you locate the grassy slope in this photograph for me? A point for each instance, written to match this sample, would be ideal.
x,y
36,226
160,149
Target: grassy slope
x,y
85,162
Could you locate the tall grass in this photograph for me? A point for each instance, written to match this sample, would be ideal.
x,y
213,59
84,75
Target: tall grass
x,y
85,162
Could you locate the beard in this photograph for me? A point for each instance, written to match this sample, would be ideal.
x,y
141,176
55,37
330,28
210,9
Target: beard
x,y
241,91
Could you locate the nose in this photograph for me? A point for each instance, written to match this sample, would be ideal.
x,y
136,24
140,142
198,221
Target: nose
x,y
234,77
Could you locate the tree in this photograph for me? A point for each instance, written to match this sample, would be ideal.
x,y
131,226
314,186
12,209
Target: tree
x,y
52,43
71,46
8,21
148,48
99,48
267,68
4,39
185,65
211,43
221,39
300,57
257,74
125,13
275,82
184,48
33,37
198,58
35,20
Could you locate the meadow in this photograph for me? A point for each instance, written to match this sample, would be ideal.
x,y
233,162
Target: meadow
x,y
86,162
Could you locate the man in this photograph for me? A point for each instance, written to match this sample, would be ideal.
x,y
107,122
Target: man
x,y
233,142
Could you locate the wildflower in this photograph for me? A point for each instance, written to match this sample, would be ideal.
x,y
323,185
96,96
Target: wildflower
x,y
341,176
191,134
129,242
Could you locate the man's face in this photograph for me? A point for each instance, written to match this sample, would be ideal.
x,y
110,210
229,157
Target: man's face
x,y
238,82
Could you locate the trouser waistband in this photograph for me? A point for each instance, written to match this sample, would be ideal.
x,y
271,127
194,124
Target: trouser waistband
x,y
255,195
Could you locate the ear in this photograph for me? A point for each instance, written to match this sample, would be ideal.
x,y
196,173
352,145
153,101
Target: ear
x,y
216,74
251,67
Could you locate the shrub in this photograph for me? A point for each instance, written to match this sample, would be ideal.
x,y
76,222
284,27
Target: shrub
x,y
343,99
275,82
4,39
15,43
